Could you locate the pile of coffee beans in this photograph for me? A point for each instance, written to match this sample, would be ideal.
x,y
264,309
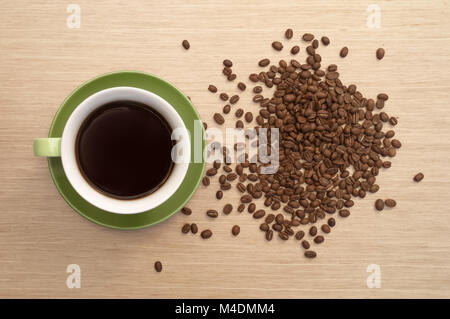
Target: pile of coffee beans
x,y
333,144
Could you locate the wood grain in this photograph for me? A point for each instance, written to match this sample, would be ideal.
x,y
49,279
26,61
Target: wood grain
x,y
42,61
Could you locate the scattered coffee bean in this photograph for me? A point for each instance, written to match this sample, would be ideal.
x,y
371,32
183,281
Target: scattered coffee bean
x,y
269,235
289,33
206,181
326,228
158,266
390,202
325,40
227,209
212,213
343,53
277,45
186,44
310,254
186,228
227,63
380,53
396,143
212,88
234,99
319,239
223,96
299,235
241,86
259,214
194,228
248,117
344,213
264,62
218,118
305,244
211,172
295,49
379,204
331,222
226,109
219,194
206,234
308,37
313,231
418,177
235,230
186,210
231,77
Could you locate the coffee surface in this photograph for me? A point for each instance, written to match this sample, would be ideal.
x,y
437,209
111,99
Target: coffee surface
x,y
124,148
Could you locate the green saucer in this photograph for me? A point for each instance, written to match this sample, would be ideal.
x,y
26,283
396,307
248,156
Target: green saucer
x,y
155,85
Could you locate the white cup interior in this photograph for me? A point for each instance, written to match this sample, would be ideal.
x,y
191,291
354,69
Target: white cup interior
x,y
111,204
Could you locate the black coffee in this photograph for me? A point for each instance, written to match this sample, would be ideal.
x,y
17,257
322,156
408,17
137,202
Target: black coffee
x,y
124,148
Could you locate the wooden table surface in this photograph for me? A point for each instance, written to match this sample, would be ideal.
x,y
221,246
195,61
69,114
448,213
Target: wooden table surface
x,y
43,60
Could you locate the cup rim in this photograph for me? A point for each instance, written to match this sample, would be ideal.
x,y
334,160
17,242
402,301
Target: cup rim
x,y
78,181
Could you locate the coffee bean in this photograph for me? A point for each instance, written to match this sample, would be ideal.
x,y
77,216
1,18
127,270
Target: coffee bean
x,y
380,53
227,63
206,234
325,40
234,99
396,143
343,53
212,213
299,235
379,204
186,210
186,228
259,214
218,118
212,88
211,172
241,208
253,77
393,121
310,254
383,96
235,230
241,86
219,194
326,228
277,45
313,231
295,49
239,113
226,109
264,62
206,181
225,186
248,117
186,44
239,124
269,235
227,209
283,235
289,33
223,96
231,77
390,203
418,177
158,266
305,244
331,222
194,228
307,37
319,239
344,213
